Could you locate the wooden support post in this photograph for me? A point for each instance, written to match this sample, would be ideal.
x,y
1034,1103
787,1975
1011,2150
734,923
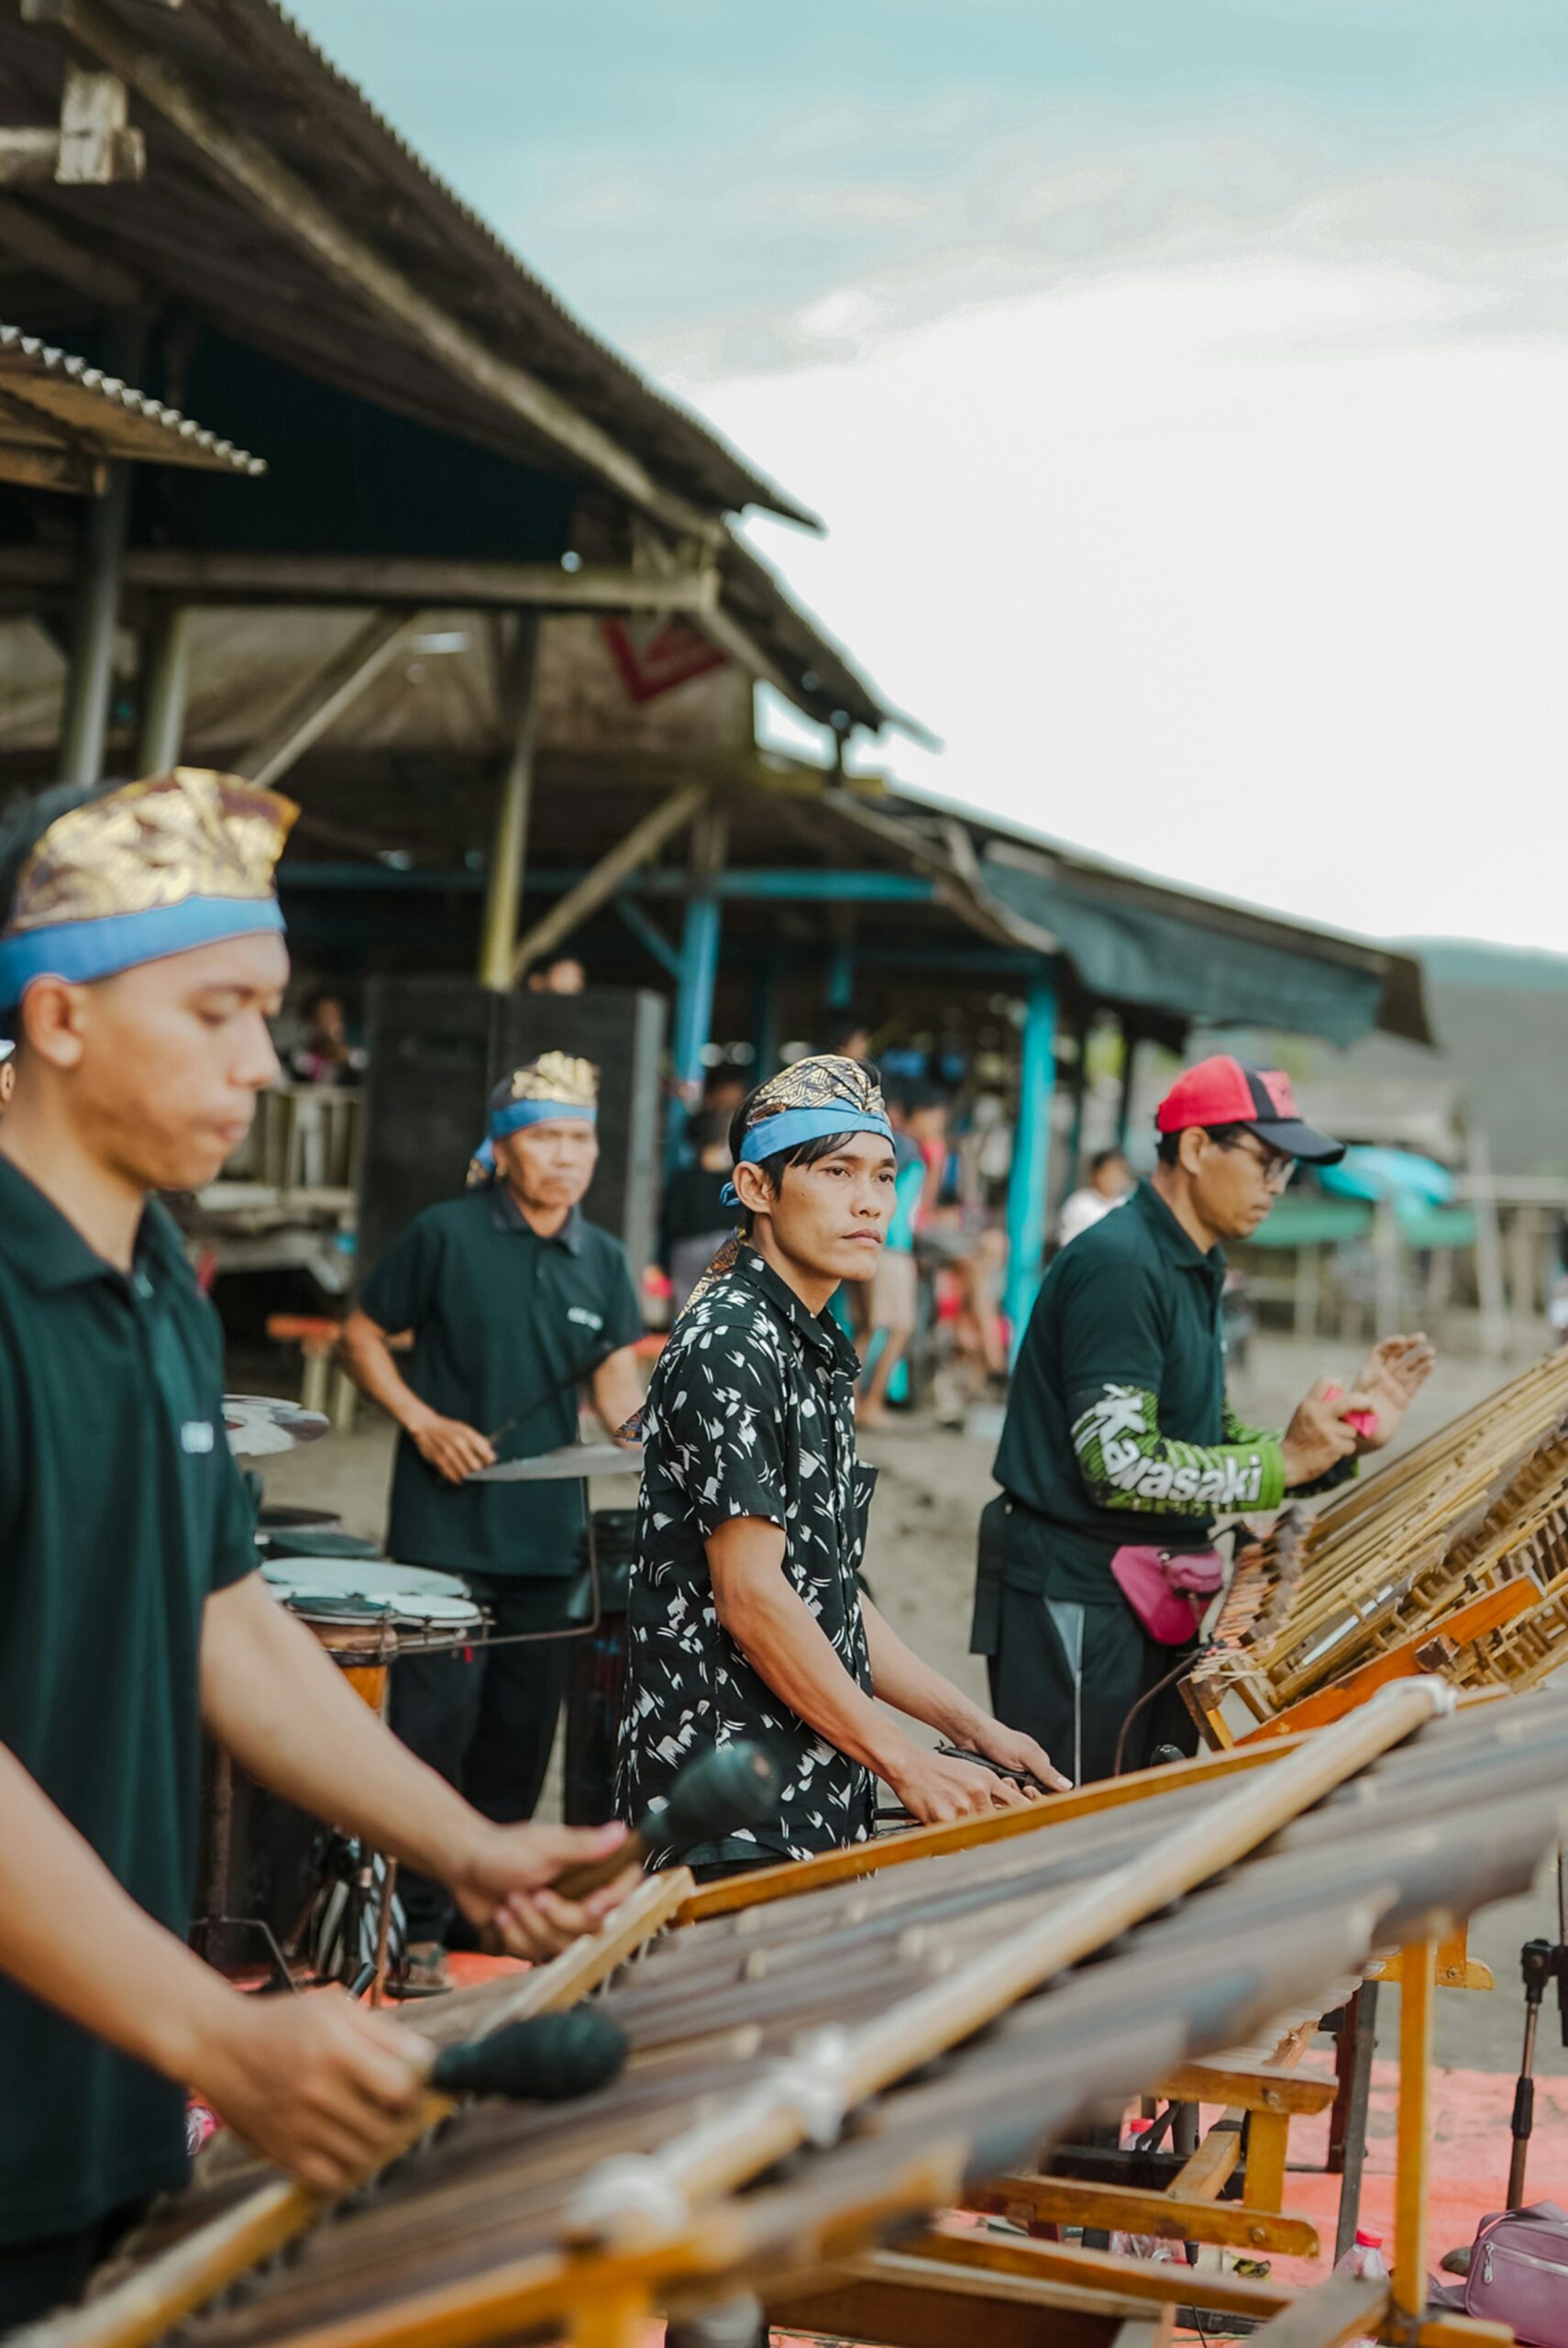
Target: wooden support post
x,y
91,677
509,841
1488,1249
164,683
1030,1153
1417,1995
324,697
1128,1077
598,886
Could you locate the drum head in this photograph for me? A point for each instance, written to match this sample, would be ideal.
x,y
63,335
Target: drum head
x,y
320,1541
258,1425
408,1593
279,1517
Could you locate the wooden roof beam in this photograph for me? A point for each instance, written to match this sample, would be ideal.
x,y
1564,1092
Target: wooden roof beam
x,y
322,701
596,887
27,237
241,577
295,211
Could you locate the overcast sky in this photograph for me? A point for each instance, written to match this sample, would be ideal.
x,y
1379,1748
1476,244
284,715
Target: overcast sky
x,y
1185,387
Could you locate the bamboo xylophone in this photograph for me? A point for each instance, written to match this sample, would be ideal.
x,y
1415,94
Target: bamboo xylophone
x,y
1453,1559
898,2041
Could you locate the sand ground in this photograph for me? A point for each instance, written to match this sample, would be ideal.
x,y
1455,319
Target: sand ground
x,y
921,1564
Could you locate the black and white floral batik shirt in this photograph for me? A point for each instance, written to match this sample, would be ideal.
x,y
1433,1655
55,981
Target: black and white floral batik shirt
x,y
749,1414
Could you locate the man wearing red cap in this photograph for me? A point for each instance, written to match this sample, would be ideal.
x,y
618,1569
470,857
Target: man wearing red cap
x,y
1121,1449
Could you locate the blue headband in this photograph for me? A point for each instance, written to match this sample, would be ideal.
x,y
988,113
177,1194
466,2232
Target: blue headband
x,y
772,1137
515,1114
84,951
518,1114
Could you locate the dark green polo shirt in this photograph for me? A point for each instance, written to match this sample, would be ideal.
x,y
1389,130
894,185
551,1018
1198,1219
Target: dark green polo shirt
x,y
1130,1308
120,1511
505,1323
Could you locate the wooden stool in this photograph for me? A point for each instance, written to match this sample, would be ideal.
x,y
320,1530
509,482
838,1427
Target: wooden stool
x,y
317,1340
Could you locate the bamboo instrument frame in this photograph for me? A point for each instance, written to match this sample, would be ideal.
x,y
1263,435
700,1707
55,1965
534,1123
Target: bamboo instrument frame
x,y
143,2307
1324,1608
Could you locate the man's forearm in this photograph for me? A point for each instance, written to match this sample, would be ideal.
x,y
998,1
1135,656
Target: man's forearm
x,y
617,1388
901,1680
113,1970
787,1646
367,1357
263,1674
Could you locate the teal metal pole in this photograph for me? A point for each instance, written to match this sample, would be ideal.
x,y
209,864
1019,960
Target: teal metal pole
x,y
1026,1191
840,976
765,1019
693,1011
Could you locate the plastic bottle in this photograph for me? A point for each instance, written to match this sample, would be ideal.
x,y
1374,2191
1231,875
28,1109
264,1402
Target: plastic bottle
x,y
1364,2257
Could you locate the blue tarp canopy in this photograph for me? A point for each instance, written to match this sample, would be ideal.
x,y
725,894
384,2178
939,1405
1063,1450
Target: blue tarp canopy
x,y
1141,944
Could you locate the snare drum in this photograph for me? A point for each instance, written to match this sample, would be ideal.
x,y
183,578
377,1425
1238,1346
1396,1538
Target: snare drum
x,y
366,1611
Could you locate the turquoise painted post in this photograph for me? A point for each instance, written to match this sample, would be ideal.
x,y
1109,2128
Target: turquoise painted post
x,y
1031,1154
765,1019
693,1011
840,976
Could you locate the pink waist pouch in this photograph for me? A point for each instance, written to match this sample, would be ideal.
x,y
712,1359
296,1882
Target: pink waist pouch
x,y
1169,1590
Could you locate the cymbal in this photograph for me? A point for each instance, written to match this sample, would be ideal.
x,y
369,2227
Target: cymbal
x,y
571,1461
258,1425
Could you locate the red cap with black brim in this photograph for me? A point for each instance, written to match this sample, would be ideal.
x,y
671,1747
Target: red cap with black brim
x,y
1225,1091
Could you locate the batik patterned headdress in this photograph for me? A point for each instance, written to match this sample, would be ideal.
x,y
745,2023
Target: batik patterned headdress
x,y
804,1102
153,869
550,1088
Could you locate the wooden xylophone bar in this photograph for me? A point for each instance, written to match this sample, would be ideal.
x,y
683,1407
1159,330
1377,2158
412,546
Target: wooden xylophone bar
x,y
479,2235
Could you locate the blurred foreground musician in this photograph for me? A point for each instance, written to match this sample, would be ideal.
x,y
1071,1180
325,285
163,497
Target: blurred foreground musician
x,y
141,957
746,1617
1121,1448
515,1301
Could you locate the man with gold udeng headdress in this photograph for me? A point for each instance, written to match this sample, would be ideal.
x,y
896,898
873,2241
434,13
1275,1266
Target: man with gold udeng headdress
x,y
141,957
514,1303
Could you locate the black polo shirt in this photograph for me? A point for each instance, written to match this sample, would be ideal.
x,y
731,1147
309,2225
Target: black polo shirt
x,y
120,1511
506,1327
751,1414
1128,1313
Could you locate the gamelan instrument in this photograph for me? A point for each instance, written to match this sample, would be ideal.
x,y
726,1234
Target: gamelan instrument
x,y
1453,1559
258,1425
569,1462
910,2026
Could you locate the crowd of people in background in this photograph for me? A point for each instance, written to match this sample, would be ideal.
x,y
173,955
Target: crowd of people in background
x,y
930,1327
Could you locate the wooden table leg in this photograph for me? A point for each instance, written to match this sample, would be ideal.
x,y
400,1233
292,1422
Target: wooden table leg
x,y
1416,1997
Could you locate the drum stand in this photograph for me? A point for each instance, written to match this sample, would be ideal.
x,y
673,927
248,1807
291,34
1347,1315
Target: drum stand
x,y
1540,1962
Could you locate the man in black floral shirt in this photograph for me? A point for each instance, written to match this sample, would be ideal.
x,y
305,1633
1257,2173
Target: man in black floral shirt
x,y
746,1617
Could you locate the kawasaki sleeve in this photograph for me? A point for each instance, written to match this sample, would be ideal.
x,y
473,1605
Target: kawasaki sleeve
x,y
1127,1463
1113,1340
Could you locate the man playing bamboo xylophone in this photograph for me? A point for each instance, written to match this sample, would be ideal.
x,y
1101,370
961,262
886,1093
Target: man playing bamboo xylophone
x,y
140,958
1121,1449
746,1618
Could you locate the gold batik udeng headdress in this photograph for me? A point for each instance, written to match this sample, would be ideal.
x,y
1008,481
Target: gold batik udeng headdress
x,y
152,869
555,1085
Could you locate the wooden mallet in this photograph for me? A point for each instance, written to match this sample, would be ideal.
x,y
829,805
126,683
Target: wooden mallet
x,y
735,1786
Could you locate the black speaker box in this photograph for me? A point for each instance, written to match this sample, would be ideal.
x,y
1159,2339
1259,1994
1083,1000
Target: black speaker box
x,y
437,1045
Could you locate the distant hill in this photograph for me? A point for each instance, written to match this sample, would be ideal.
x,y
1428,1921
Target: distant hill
x,y
1500,1016
1465,961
